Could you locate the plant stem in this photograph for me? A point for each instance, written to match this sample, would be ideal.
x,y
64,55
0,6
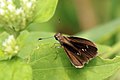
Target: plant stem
x,y
12,31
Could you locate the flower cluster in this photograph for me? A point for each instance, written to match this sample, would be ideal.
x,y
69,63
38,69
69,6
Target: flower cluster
x,y
16,16
10,46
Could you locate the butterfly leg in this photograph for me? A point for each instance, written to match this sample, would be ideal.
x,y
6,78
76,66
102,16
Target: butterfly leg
x,y
28,58
57,45
56,55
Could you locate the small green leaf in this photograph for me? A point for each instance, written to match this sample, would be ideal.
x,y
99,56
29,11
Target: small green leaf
x,y
103,49
45,10
15,69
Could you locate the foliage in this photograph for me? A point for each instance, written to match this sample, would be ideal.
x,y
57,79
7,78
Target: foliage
x,y
42,60
46,60
15,17
15,69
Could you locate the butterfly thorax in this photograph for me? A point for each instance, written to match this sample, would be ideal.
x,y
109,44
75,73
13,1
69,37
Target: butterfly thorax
x,y
63,40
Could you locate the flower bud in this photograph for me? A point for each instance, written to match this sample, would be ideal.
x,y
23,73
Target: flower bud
x,y
17,17
10,47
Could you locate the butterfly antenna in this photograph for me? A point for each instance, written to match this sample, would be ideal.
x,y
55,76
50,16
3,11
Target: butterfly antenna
x,y
45,38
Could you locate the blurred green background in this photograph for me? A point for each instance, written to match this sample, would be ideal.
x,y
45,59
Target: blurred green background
x,y
80,15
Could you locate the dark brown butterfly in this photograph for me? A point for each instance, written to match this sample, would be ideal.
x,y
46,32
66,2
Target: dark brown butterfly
x,y
79,50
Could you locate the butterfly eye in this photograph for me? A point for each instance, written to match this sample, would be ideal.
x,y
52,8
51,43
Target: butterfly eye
x,y
56,37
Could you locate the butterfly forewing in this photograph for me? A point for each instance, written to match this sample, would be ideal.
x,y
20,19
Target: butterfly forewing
x,y
84,45
81,40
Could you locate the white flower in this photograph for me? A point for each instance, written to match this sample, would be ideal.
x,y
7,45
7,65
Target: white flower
x,y
17,17
11,7
10,46
18,11
2,12
2,4
29,4
9,1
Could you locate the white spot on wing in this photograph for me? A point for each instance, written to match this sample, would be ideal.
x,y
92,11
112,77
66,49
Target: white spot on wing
x,y
78,53
85,49
87,46
82,49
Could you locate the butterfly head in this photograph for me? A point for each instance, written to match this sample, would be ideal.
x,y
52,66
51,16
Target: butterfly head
x,y
58,36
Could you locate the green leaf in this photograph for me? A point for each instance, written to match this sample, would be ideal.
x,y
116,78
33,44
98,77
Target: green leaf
x,y
51,63
1,29
102,33
116,76
15,69
114,51
28,42
109,52
45,10
103,50
118,37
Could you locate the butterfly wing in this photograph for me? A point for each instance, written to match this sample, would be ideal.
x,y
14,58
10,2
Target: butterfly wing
x,y
84,45
76,58
81,40
80,51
